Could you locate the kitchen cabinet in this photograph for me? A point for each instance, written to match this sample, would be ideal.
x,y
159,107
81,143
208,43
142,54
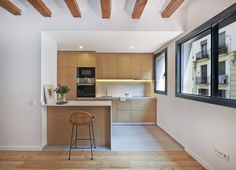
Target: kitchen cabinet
x,y
143,110
136,66
86,59
67,63
66,72
124,66
135,111
107,66
123,111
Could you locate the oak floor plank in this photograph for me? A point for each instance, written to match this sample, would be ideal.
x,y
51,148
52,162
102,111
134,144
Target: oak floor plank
x,y
103,160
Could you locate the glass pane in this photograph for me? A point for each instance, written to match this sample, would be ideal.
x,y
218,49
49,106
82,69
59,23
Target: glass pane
x,y
227,59
160,72
196,65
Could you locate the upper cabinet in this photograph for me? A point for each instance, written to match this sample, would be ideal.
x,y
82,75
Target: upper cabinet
x,y
124,66
137,66
86,59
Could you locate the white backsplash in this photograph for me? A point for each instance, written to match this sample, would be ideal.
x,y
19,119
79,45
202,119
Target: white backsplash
x,y
120,89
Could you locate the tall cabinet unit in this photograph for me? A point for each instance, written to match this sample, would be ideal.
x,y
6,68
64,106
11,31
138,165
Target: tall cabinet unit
x,y
67,63
66,72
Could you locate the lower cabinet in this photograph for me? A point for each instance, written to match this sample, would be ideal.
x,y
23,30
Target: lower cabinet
x,y
134,111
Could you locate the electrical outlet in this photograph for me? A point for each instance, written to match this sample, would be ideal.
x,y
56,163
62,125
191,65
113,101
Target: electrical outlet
x,y
222,154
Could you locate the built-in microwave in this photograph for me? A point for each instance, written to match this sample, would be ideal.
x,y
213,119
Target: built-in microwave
x,y
86,82
85,72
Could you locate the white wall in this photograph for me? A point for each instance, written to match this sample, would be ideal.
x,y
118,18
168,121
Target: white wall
x,y
198,126
48,62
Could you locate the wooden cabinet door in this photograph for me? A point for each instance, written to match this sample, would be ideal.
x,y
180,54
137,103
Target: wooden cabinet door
x,y
109,66
123,111
143,110
66,72
86,59
124,66
123,116
114,111
136,69
66,59
147,66
142,116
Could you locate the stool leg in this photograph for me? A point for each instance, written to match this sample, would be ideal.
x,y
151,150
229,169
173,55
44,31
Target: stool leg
x,y
71,140
91,145
94,144
76,133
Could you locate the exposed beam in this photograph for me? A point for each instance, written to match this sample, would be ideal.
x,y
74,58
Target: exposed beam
x,y
138,8
41,7
73,7
106,8
171,8
9,6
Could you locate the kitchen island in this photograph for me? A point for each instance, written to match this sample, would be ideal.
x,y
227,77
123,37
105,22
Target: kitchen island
x,y
56,128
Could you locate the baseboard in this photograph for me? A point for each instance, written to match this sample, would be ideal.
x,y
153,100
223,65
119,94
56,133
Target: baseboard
x,y
20,148
197,158
143,123
190,152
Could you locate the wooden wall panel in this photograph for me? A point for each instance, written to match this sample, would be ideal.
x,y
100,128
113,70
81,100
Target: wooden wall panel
x,y
59,127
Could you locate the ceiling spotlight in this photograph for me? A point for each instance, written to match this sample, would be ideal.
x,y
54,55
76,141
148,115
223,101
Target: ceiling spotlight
x,y
131,47
80,46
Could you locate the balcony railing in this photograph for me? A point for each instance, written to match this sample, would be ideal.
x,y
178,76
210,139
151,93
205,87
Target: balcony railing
x,y
223,50
223,79
202,55
202,80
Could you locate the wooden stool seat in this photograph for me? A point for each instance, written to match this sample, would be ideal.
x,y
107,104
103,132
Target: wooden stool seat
x,y
82,118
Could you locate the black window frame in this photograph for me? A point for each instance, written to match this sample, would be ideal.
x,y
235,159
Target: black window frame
x,y
164,51
213,25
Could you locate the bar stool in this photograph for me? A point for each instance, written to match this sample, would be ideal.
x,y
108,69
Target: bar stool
x,y
82,118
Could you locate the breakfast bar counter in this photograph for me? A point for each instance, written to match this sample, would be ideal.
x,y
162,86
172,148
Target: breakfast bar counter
x,y
56,128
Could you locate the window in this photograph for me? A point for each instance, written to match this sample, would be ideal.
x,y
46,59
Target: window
x,y
222,93
195,64
160,72
206,61
203,92
221,68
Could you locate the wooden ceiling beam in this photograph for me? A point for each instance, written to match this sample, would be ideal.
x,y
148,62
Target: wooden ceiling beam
x,y
40,6
73,7
106,8
10,7
171,8
138,8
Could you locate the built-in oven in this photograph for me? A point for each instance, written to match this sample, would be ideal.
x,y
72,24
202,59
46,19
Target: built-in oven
x,y
86,82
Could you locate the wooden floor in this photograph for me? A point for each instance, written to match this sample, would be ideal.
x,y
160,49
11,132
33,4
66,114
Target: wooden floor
x,y
169,160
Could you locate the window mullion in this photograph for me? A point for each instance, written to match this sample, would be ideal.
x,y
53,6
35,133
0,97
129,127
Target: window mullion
x,y
214,60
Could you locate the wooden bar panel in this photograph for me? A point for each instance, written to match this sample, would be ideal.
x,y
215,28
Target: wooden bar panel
x,y
59,127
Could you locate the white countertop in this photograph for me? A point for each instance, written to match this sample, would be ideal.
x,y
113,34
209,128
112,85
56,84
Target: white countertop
x,y
81,103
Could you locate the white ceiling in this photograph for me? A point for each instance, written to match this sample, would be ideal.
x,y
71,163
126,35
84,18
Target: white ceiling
x,y
112,41
116,34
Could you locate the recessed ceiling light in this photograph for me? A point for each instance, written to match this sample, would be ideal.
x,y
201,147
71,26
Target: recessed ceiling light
x,y
81,47
131,47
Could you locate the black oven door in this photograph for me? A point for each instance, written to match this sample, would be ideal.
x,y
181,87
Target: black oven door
x,y
86,72
86,90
